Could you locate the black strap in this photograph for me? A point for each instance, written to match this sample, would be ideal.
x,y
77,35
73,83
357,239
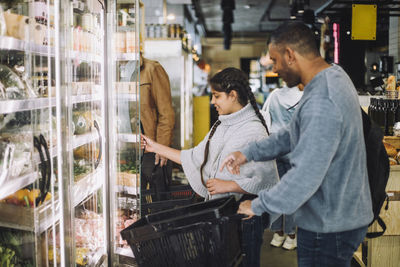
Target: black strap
x,y
377,234
289,108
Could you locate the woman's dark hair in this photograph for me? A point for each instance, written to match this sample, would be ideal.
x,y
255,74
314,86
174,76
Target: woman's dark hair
x,y
225,81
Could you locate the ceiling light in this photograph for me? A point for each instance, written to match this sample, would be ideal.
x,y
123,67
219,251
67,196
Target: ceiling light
x,y
348,32
247,6
171,17
293,11
300,7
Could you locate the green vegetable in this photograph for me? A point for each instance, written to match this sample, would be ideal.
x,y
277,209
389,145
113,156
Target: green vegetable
x,y
6,257
27,201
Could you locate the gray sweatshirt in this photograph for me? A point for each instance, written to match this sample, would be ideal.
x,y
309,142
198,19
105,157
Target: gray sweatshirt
x,y
235,131
327,187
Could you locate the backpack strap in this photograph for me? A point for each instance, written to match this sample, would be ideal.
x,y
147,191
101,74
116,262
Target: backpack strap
x,y
377,234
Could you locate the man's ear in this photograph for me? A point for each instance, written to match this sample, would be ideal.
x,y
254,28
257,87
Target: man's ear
x,y
290,55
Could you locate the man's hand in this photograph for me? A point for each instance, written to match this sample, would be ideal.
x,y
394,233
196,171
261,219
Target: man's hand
x,y
245,208
160,159
233,162
218,186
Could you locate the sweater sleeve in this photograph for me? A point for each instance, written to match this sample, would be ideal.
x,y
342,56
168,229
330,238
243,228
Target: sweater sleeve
x,y
319,137
254,176
191,161
268,148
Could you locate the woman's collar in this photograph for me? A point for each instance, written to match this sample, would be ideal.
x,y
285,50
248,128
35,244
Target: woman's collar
x,y
242,115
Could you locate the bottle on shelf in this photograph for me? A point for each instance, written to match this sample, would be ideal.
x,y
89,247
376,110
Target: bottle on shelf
x,y
390,116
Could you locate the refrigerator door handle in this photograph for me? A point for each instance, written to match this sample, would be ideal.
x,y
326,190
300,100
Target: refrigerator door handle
x,y
43,169
43,142
97,163
8,160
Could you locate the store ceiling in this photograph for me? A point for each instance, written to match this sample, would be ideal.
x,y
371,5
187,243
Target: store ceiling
x,y
256,17
251,17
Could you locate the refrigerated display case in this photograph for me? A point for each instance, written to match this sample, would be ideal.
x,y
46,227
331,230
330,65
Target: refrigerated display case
x,y
68,164
30,205
124,123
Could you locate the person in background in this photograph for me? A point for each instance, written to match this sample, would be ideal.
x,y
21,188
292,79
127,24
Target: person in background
x,y
239,123
278,109
157,119
327,186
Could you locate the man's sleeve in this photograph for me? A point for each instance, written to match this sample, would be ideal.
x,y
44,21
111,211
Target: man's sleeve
x,y
162,95
319,138
270,147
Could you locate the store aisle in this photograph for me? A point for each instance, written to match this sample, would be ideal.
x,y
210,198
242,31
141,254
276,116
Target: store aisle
x,y
276,257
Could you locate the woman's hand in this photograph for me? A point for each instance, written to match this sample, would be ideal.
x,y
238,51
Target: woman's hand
x,y
147,144
218,186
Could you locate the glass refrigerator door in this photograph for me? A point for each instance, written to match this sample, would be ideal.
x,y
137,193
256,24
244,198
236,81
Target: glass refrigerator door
x,y
81,130
29,193
124,149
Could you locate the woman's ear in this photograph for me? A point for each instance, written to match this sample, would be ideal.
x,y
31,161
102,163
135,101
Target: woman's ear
x,y
233,94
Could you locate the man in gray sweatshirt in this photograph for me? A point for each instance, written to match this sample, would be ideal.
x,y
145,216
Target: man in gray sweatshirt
x,y
327,186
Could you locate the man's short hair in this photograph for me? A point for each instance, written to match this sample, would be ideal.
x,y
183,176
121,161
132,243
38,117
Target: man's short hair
x,y
298,36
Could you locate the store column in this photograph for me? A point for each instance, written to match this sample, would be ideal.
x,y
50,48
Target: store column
x,y
394,38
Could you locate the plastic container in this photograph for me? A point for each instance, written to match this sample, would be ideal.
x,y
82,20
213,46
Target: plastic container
x,y
202,234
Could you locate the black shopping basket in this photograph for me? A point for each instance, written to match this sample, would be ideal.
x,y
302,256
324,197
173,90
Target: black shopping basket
x,y
201,234
176,196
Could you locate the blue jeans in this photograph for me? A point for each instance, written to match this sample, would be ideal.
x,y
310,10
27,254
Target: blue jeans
x,y
252,239
284,223
328,249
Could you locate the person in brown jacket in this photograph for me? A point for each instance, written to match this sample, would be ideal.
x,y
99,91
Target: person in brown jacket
x,y
157,120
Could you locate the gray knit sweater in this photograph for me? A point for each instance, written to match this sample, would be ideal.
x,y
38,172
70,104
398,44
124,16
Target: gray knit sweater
x,y
235,131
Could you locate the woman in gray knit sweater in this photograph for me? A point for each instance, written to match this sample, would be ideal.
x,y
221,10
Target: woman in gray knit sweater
x,y
239,123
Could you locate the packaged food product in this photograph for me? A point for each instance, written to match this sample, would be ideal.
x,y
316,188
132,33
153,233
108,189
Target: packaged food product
x,y
391,83
11,85
391,150
3,27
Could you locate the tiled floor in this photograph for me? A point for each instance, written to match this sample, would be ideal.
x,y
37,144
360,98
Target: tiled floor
x,y
279,257
276,257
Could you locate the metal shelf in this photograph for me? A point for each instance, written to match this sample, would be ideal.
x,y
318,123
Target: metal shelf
x,y
18,105
85,56
127,138
131,190
10,43
127,252
11,106
127,56
98,258
83,139
126,97
14,184
85,98
86,186
23,218
46,215
36,157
